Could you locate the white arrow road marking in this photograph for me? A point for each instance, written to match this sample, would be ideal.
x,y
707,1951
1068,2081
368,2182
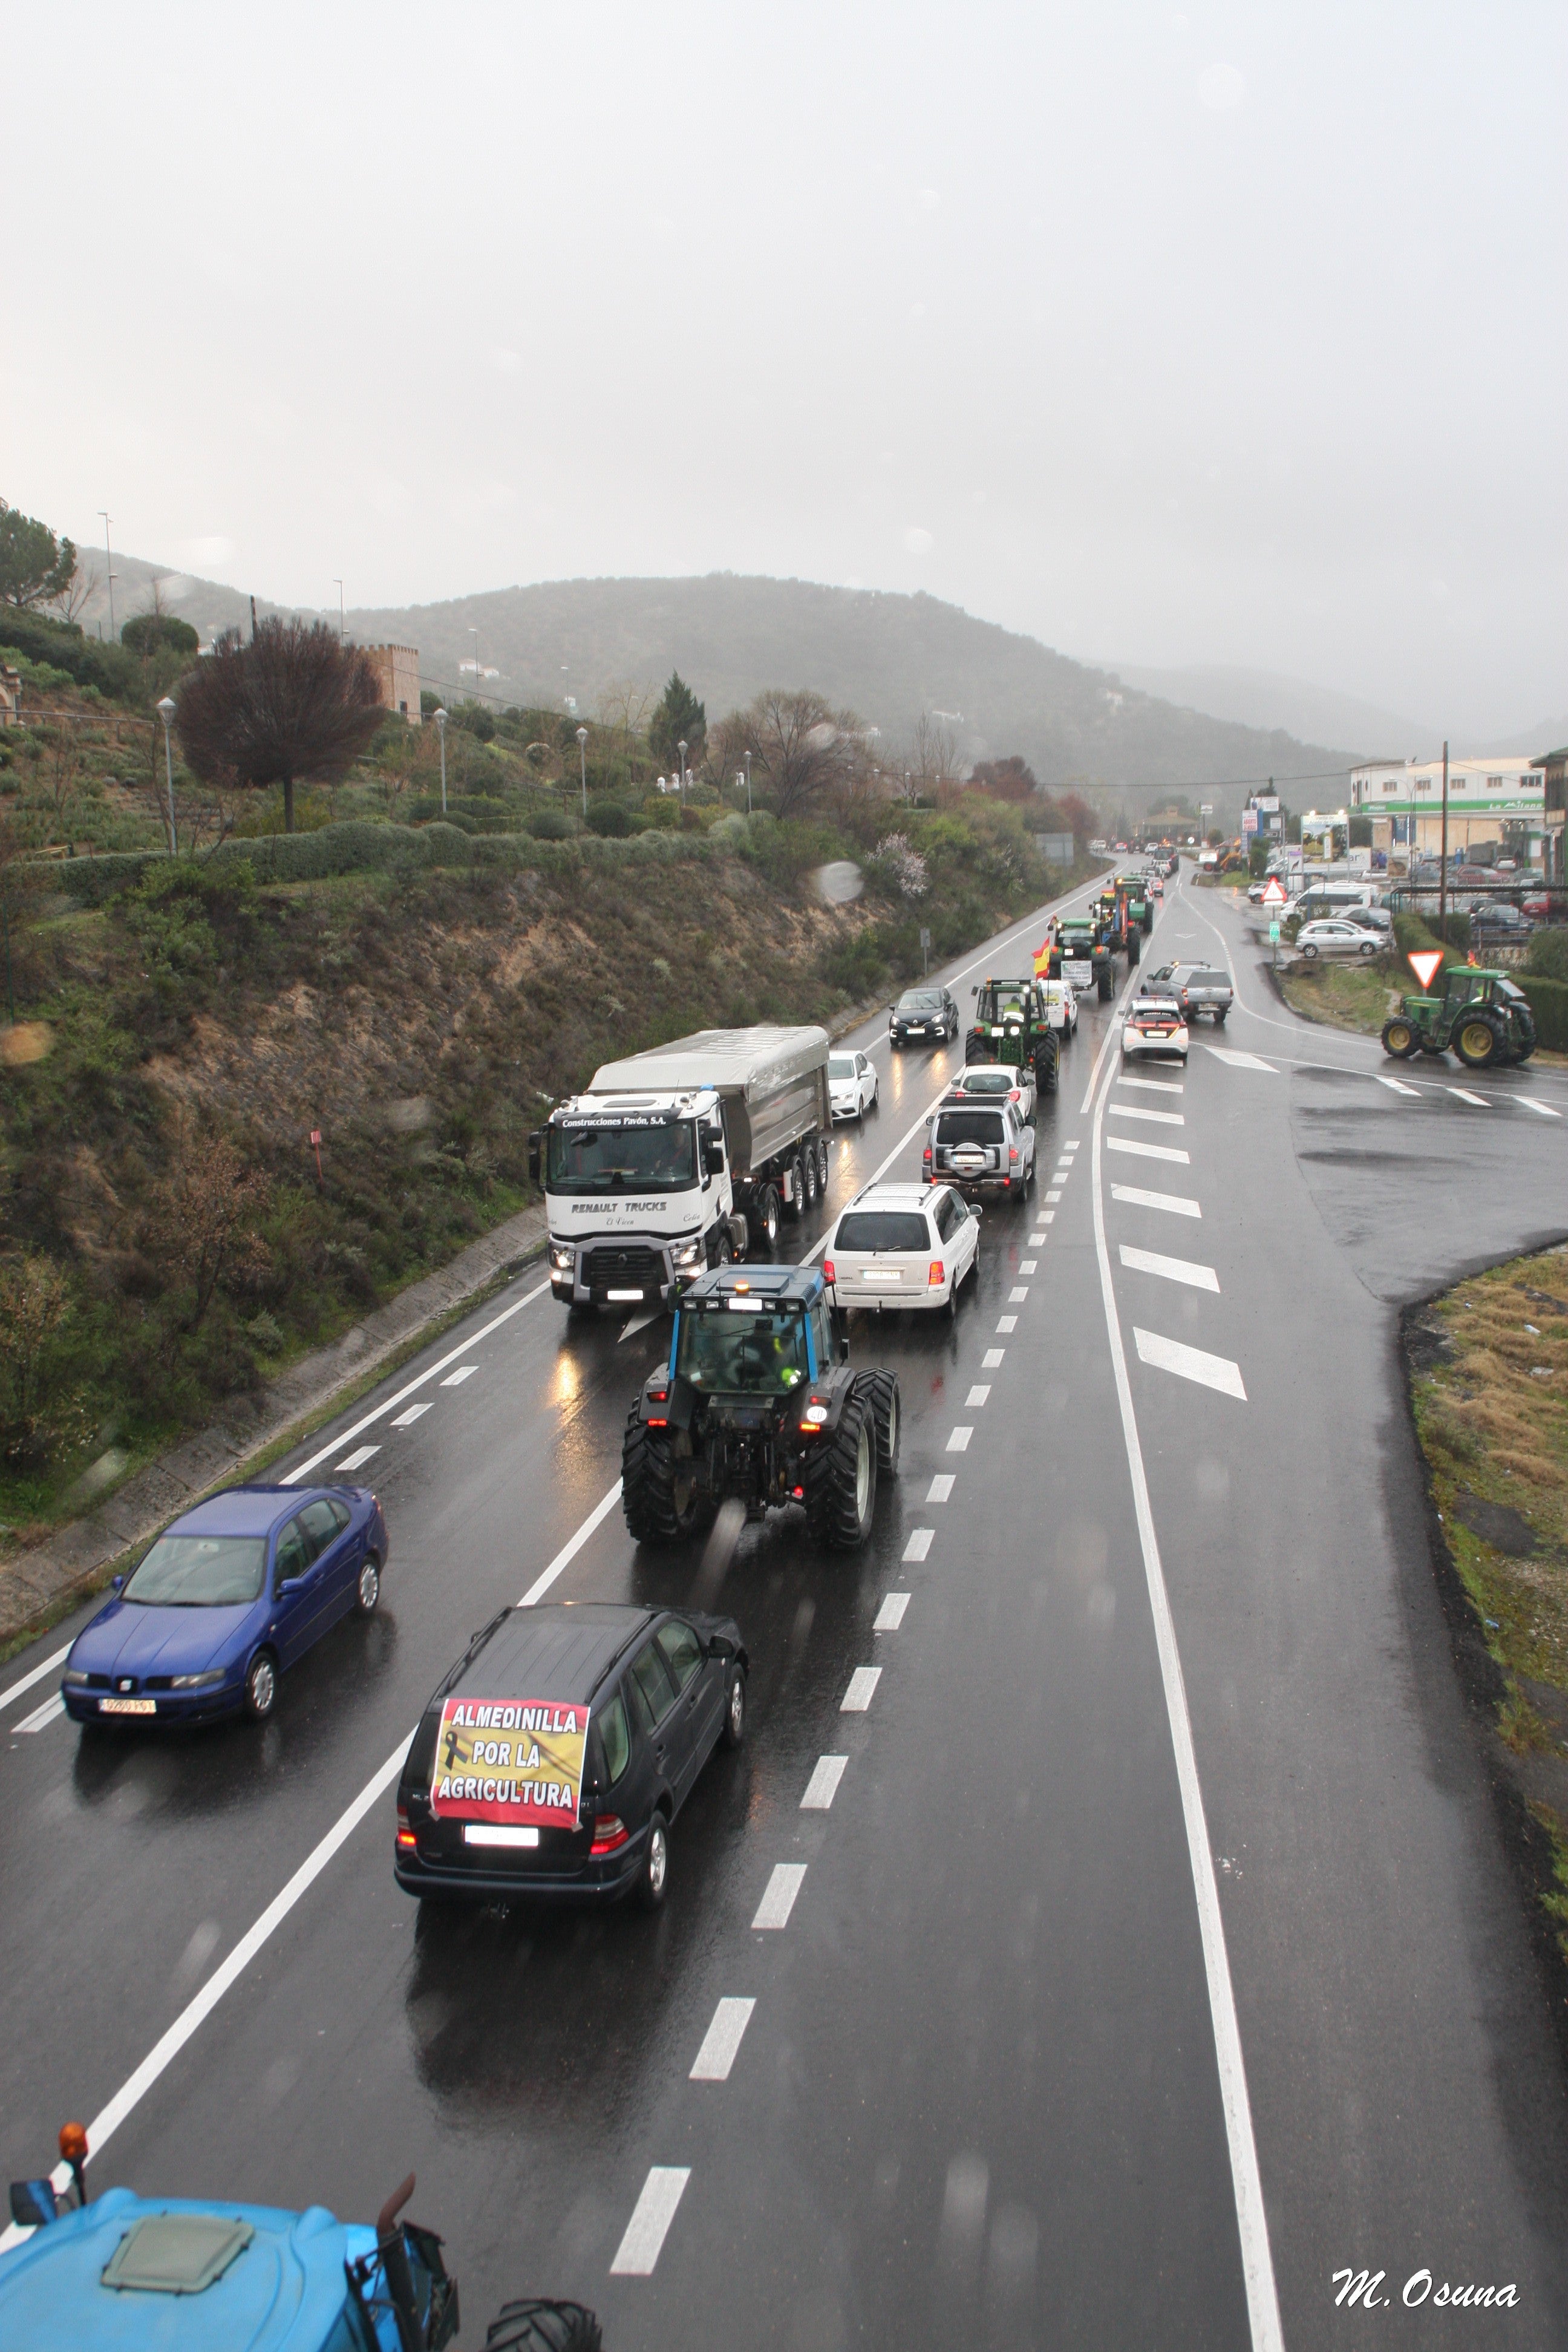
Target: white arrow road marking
x,y
1239,1061
1190,1363
778,1896
723,2040
1171,1201
1174,1269
823,1785
651,2217
1148,1150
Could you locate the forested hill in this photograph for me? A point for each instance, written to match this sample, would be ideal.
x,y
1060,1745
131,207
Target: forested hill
x,y
888,656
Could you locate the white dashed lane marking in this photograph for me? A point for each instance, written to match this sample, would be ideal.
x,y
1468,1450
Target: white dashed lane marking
x,y
1155,1086
1028,1265
42,1717
651,2217
723,2040
919,1542
1461,1095
1148,1150
1190,1363
1397,1085
978,1394
1174,1269
1017,1295
823,1786
34,1674
862,1684
890,1615
1171,1201
1052,1196
1006,1323
359,1457
941,1487
958,1440
990,1358
1529,1103
1136,1110
406,1420
463,1372
778,1896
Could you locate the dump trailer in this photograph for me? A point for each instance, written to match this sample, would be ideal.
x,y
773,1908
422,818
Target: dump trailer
x,y
681,1159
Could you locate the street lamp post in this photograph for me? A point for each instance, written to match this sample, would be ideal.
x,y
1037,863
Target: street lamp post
x,y
681,749
748,784
583,763
108,561
342,617
441,739
475,634
167,712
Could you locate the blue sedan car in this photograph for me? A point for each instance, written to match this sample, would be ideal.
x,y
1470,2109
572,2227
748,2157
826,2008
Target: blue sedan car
x,y
228,1596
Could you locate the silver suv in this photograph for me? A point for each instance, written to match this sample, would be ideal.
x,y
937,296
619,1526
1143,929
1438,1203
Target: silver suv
x,y
976,1148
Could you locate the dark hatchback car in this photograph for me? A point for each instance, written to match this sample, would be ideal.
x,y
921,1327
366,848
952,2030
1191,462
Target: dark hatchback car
x,y
228,1598
923,1013
553,1759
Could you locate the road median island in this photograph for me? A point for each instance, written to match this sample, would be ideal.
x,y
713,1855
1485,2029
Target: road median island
x,y
1486,1367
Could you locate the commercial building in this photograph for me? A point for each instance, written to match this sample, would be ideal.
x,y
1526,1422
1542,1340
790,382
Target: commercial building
x,y
397,673
1554,766
1494,804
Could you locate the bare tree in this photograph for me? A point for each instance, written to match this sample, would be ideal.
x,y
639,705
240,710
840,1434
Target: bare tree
x,y
933,759
803,750
294,702
78,592
202,1217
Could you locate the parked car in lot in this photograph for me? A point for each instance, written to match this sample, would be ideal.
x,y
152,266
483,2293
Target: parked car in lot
x,y
975,1147
851,1084
925,1013
996,1082
1335,937
1370,918
553,1759
1494,920
1197,987
905,1245
228,1598
1154,1024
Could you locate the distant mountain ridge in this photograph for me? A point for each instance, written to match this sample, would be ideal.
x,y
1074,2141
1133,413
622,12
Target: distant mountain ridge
x,y
888,656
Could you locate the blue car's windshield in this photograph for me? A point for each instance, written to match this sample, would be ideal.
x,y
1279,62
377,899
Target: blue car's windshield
x,y
200,1571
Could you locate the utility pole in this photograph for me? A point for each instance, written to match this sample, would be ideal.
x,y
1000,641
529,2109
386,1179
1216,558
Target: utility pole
x,y
343,622
748,784
167,712
108,561
440,718
1443,869
583,763
681,747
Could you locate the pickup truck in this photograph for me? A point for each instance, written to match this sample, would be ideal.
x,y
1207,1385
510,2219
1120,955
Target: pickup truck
x,y
1197,987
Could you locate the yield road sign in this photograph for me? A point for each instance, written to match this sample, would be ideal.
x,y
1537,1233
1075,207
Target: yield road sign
x,y
1274,892
1424,964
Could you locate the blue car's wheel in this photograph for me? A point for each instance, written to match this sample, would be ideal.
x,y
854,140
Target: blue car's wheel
x,y
368,1592
262,1686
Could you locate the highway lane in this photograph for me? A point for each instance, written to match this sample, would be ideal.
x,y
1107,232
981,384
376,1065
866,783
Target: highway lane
x,y
978,2090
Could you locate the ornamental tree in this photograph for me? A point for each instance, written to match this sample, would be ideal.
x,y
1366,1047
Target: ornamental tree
x,y
295,702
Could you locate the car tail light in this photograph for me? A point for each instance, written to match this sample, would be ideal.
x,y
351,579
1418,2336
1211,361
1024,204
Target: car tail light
x,y
1012,1152
609,1832
407,1840
799,1493
937,1275
926,1155
827,1273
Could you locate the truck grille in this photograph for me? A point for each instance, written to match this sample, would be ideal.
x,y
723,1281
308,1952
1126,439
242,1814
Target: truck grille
x,y
604,1268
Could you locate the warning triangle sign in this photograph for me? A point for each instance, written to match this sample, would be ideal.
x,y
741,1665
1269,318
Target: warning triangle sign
x,y
1274,892
1425,964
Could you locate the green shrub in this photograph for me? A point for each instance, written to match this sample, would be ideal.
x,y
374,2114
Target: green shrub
x,y
110,668
156,633
610,819
549,824
1549,1003
1549,953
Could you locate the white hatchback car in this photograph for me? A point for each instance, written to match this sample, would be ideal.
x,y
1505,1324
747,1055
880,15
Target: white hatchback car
x,y
908,1246
1155,1025
851,1084
1331,936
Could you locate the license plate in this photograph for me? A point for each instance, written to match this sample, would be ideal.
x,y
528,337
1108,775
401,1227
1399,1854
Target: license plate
x,y
616,1297
881,1281
128,1707
497,1833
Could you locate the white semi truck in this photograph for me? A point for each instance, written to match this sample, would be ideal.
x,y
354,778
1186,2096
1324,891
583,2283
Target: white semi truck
x,y
680,1158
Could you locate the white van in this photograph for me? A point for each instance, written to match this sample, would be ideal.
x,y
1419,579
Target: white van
x,y
1319,898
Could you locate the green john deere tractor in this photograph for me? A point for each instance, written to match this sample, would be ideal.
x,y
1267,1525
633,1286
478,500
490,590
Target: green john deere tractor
x,y
1135,887
1078,942
1012,1024
1483,1015
1120,929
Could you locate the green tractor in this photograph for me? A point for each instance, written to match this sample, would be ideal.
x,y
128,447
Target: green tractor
x,y
1483,1015
1077,943
1012,1024
1135,889
1114,920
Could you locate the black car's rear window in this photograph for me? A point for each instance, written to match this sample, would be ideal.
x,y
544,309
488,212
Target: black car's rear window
x,y
970,1126
882,1229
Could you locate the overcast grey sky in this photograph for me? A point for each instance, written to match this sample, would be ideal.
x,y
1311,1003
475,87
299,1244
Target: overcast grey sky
x,y
1211,334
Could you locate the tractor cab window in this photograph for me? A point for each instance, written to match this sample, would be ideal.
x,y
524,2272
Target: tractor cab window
x,y
737,1347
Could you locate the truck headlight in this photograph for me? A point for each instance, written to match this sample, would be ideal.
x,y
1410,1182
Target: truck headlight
x,y
686,1255
563,1257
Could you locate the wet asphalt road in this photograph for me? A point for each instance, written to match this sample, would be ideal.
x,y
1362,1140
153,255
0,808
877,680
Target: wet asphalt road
x,y
980,2098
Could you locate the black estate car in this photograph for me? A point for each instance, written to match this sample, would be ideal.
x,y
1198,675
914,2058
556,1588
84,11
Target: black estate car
x,y
556,1753
927,1012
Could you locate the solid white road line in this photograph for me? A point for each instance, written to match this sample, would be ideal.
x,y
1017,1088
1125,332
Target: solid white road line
x,y
1156,1086
41,1716
1174,1269
406,1420
862,1686
1171,1201
1397,1085
1461,1095
958,1442
570,1550
359,1457
1529,1103
1148,1150
978,1394
778,1896
466,1372
823,1786
1190,1363
1239,1060
1252,2221
721,2041
346,1436
34,1675
920,1543
992,1357
651,2217
1136,1110
890,1615
941,1487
